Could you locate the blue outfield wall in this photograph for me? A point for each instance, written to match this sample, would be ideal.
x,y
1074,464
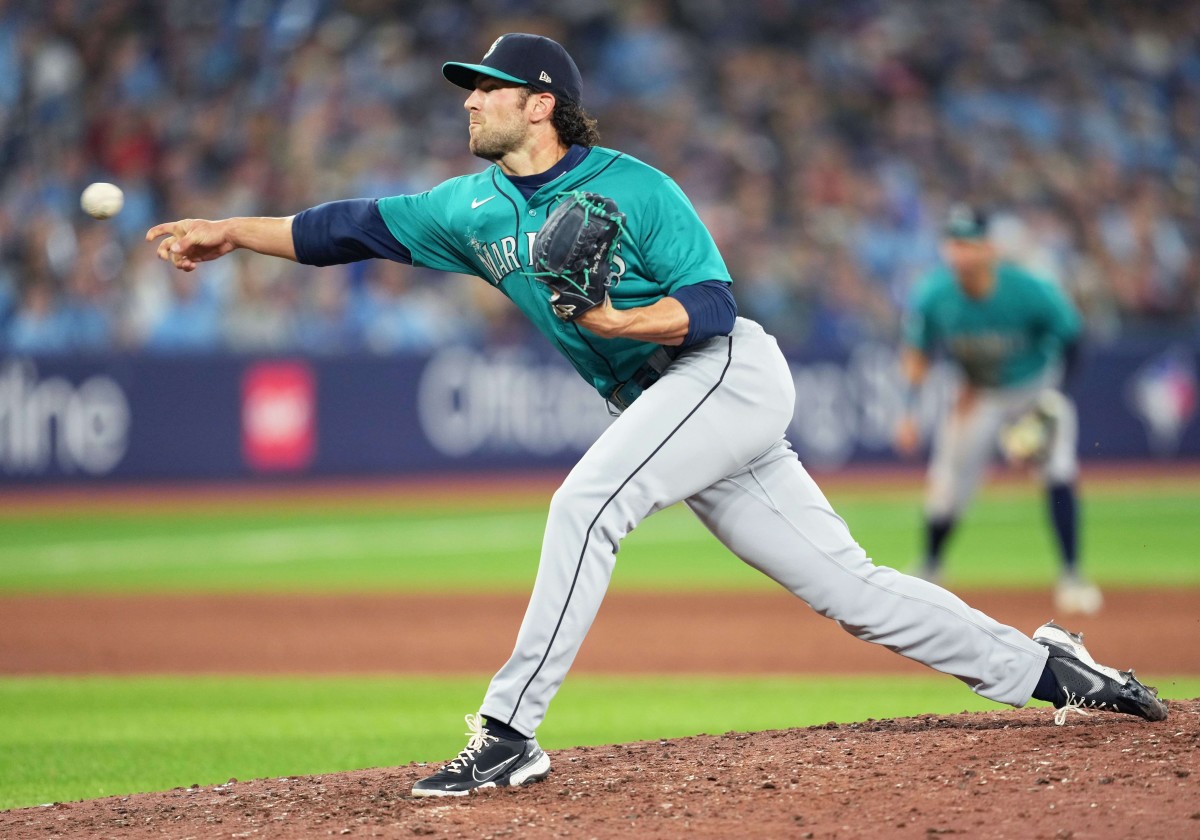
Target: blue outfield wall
x,y
462,410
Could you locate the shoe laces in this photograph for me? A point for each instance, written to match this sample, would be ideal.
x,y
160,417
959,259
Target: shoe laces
x,y
1077,704
478,739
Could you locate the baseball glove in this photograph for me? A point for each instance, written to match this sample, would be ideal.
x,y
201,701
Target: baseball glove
x,y
571,252
1028,439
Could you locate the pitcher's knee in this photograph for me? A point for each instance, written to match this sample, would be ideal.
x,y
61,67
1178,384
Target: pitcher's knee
x,y
584,508
571,501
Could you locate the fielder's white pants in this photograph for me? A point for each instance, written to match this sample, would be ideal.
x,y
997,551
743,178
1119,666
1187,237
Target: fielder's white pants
x,y
710,433
965,443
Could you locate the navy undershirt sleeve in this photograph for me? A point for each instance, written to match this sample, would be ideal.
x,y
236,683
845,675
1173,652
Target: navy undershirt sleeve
x,y
345,231
710,307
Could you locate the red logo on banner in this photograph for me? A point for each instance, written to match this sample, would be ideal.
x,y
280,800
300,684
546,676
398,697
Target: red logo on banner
x,y
278,416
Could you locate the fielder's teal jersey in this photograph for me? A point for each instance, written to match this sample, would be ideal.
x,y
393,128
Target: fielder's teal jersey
x,y
1004,339
481,224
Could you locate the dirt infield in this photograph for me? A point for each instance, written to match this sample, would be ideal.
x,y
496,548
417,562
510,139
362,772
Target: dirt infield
x,y
988,775
755,632
1000,774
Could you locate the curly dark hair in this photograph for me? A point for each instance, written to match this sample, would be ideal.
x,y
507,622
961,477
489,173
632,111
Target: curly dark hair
x,y
575,126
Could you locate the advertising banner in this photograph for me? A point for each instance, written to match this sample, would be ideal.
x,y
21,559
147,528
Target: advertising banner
x,y
463,410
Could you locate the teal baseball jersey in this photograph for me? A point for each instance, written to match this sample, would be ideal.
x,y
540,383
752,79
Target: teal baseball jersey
x,y
480,224
1004,339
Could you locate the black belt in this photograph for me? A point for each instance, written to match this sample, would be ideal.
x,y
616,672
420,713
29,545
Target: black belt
x,y
650,372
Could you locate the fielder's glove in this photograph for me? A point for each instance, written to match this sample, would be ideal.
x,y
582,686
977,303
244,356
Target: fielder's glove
x,y
1027,440
572,250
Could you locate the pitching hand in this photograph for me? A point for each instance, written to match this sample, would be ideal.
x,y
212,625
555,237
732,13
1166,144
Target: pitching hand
x,y
190,242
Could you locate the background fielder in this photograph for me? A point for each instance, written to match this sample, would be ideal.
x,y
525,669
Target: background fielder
x,y
704,399
1011,334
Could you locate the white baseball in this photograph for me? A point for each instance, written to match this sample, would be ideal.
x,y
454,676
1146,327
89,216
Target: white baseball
x,y
102,200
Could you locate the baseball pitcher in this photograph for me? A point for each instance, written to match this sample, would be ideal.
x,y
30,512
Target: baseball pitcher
x,y
608,259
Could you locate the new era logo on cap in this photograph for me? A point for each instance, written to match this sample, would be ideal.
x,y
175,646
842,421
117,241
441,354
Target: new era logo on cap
x,y
523,59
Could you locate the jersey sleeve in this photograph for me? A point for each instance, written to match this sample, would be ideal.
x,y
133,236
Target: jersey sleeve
x,y
340,232
919,331
417,222
1059,319
678,250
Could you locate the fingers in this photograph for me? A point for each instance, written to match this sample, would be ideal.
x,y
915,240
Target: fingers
x,y
183,244
179,236
174,248
159,229
184,263
171,230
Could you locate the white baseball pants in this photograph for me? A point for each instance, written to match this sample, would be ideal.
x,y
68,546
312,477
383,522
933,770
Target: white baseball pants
x,y
710,433
965,443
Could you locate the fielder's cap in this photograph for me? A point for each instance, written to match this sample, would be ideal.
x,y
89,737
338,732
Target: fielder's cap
x,y
965,222
532,60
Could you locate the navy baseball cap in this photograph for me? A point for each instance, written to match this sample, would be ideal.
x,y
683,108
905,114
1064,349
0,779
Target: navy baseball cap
x,y
532,60
965,222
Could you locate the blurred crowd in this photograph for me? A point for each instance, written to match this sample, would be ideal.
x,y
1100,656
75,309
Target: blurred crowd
x,y
821,143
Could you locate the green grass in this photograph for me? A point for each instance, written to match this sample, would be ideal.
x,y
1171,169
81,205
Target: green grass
x,y
64,739
67,739
1132,536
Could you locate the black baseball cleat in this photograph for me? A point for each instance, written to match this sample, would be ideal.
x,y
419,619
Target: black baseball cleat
x,y
1087,685
487,761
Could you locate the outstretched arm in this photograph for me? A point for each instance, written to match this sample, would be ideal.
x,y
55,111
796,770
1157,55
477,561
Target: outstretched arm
x,y
190,242
914,365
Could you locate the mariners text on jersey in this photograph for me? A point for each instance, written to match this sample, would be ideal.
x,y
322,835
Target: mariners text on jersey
x,y
500,258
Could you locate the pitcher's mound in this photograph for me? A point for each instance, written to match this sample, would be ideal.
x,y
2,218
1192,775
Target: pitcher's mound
x,y
997,774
